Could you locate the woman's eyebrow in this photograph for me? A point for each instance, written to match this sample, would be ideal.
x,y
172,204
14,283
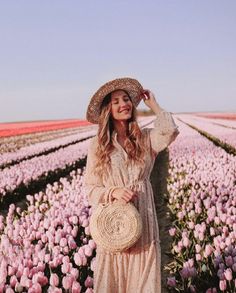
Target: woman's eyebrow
x,y
116,98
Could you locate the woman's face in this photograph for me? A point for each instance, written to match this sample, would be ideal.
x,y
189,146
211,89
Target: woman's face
x,y
121,105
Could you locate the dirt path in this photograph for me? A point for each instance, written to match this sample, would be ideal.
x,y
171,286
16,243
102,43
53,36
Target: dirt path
x,y
159,184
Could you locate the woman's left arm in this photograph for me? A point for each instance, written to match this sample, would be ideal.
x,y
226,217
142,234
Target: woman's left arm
x,y
93,186
165,130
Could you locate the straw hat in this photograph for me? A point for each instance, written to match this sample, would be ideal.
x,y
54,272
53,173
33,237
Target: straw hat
x,y
130,85
116,226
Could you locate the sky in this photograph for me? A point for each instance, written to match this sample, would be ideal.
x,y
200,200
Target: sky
x,y
55,54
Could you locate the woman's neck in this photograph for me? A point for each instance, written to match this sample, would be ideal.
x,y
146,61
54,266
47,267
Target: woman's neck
x,y
121,127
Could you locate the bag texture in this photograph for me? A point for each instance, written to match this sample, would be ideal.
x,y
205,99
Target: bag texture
x,y
116,226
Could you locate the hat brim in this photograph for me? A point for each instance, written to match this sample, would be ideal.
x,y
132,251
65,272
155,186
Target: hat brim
x,y
130,85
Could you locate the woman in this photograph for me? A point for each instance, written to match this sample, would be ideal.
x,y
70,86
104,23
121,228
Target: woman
x,y
119,162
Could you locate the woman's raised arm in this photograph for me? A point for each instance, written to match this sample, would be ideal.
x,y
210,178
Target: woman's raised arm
x,y
164,131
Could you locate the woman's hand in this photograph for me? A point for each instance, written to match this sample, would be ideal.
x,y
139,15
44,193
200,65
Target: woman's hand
x,y
150,100
124,193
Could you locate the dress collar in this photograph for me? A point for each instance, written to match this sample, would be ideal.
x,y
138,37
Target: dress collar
x,y
114,135
115,141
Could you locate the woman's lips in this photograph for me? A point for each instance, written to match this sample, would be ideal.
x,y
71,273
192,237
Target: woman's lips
x,y
124,110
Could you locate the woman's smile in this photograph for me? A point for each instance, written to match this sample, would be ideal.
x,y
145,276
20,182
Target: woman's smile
x,y
121,105
124,110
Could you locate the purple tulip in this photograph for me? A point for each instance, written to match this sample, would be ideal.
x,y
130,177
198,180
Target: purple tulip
x,y
171,281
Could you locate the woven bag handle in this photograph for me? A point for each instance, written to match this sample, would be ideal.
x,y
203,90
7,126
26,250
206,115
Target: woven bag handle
x,y
109,197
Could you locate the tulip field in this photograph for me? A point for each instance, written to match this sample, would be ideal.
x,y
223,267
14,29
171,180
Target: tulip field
x,y
45,242
202,201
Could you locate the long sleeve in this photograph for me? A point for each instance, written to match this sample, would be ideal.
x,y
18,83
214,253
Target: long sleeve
x,y
164,131
93,186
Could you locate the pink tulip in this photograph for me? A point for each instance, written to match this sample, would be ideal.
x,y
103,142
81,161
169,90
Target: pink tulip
x,y
85,223
13,281
88,282
11,270
63,242
186,242
222,285
81,251
76,288
67,282
3,270
65,259
72,244
198,257
88,250
208,250
172,231
65,268
74,231
92,244
212,231
25,282
75,273
191,225
87,230
66,249
47,258
54,280
75,220
228,274
201,236
198,248
36,288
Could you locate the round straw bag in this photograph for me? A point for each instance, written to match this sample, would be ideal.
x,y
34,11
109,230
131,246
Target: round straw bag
x,y
116,226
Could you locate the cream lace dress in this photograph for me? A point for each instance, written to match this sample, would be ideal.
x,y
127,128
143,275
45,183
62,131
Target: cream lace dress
x,y
138,269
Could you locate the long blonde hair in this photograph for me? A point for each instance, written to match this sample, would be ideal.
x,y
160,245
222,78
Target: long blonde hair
x,y
133,144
